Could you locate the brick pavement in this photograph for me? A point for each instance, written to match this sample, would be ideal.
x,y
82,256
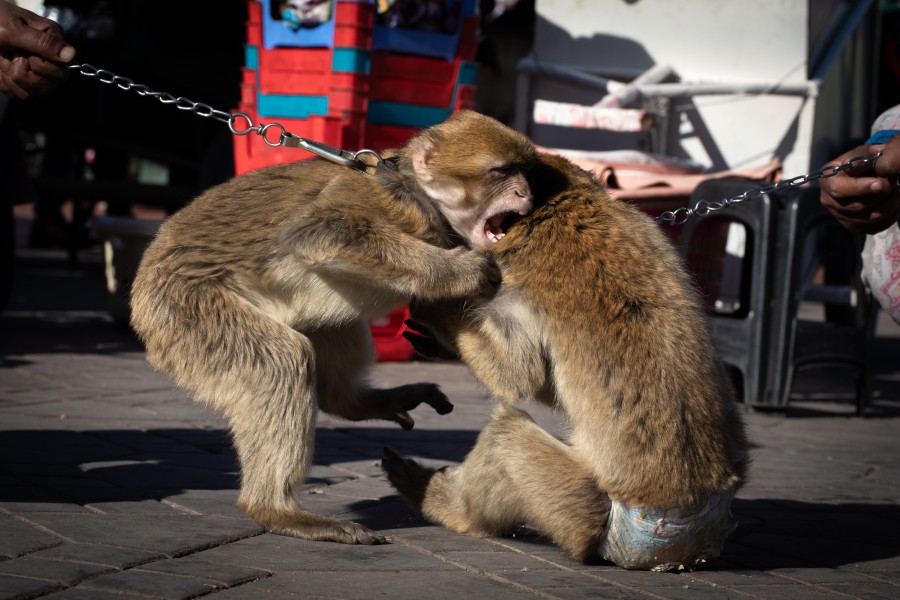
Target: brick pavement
x,y
114,485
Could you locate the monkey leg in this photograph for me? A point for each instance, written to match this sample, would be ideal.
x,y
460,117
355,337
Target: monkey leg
x,y
343,355
275,451
260,374
516,473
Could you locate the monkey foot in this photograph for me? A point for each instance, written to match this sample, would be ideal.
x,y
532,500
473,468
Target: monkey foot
x,y
308,526
407,476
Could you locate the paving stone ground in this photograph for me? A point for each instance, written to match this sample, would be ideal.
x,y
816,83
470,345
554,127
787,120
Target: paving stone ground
x,y
114,485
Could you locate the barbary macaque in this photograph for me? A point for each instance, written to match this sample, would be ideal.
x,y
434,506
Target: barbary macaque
x,y
596,316
255,297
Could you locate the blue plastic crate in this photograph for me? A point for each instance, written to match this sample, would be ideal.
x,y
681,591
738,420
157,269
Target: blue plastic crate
x,y
278,33
419,42
293,106
351,60
251,57
468,72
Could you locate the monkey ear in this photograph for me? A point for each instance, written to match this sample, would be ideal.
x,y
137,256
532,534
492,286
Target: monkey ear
x,y
423,154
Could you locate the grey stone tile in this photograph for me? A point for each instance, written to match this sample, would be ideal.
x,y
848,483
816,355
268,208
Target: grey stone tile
x,y
228,575
216,503
172,536
871,591
353,585
78,593
257,591
279,553
17,538
600,592
58,571
23,587
36,504
494,561
541,578
113,556
136,507
438,539
797,592
157,585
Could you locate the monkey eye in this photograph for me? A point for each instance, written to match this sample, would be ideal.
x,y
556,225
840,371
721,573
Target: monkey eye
x,y
502,170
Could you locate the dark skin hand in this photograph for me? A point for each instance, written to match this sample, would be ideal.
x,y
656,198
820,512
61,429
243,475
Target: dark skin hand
x,y
866,200
33,53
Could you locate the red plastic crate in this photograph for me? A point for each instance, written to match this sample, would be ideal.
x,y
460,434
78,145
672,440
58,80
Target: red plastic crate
x,y
409,91
417,68
311,83
353,23
349,36
361,14
381,137
341,100
254,13
248,87
295,60
465,97
254,23
387,334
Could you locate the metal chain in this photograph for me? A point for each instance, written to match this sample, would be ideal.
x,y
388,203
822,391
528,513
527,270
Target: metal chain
x,y
701,208
235,120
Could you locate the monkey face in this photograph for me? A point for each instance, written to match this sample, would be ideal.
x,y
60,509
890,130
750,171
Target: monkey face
x,y
510,197
475,170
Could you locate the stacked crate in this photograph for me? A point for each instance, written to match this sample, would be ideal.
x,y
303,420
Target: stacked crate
x,y
313,82
353,82
419,78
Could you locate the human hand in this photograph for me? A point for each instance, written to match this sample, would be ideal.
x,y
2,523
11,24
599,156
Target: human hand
x,y
866,200
33,53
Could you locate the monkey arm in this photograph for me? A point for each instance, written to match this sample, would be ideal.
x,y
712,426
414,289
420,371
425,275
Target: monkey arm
x,y
501,344
363,249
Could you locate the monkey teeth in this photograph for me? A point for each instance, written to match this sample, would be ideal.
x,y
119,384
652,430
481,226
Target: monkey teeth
x,y
495,227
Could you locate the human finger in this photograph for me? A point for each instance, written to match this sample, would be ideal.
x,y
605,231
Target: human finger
x,y
47,70
22,81
33,34
888,164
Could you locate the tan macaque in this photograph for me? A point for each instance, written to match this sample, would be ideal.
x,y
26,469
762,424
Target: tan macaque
x,y
596,316
255,297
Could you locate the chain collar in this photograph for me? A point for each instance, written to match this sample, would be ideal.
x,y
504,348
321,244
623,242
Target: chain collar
x,y
238,123
354,160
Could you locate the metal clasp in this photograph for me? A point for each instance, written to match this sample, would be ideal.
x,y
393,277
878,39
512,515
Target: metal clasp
x,y
345,158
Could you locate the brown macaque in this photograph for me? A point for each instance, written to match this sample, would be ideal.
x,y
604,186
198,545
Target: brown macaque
x,y
255,297
596,316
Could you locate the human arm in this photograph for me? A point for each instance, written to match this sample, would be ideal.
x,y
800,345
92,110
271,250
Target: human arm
x,y
33,53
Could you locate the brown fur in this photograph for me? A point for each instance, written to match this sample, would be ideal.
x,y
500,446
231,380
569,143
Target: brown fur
x,y
596,316
255,297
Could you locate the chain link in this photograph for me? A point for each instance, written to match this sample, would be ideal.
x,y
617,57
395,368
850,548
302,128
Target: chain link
x,y
239,123
703,208
236,120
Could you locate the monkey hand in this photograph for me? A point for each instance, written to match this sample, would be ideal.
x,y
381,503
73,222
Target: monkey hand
x,y
425,344
491,277
472,274
394,404
437,324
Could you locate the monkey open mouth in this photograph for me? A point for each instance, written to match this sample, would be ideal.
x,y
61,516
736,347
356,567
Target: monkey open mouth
x,y
495,227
